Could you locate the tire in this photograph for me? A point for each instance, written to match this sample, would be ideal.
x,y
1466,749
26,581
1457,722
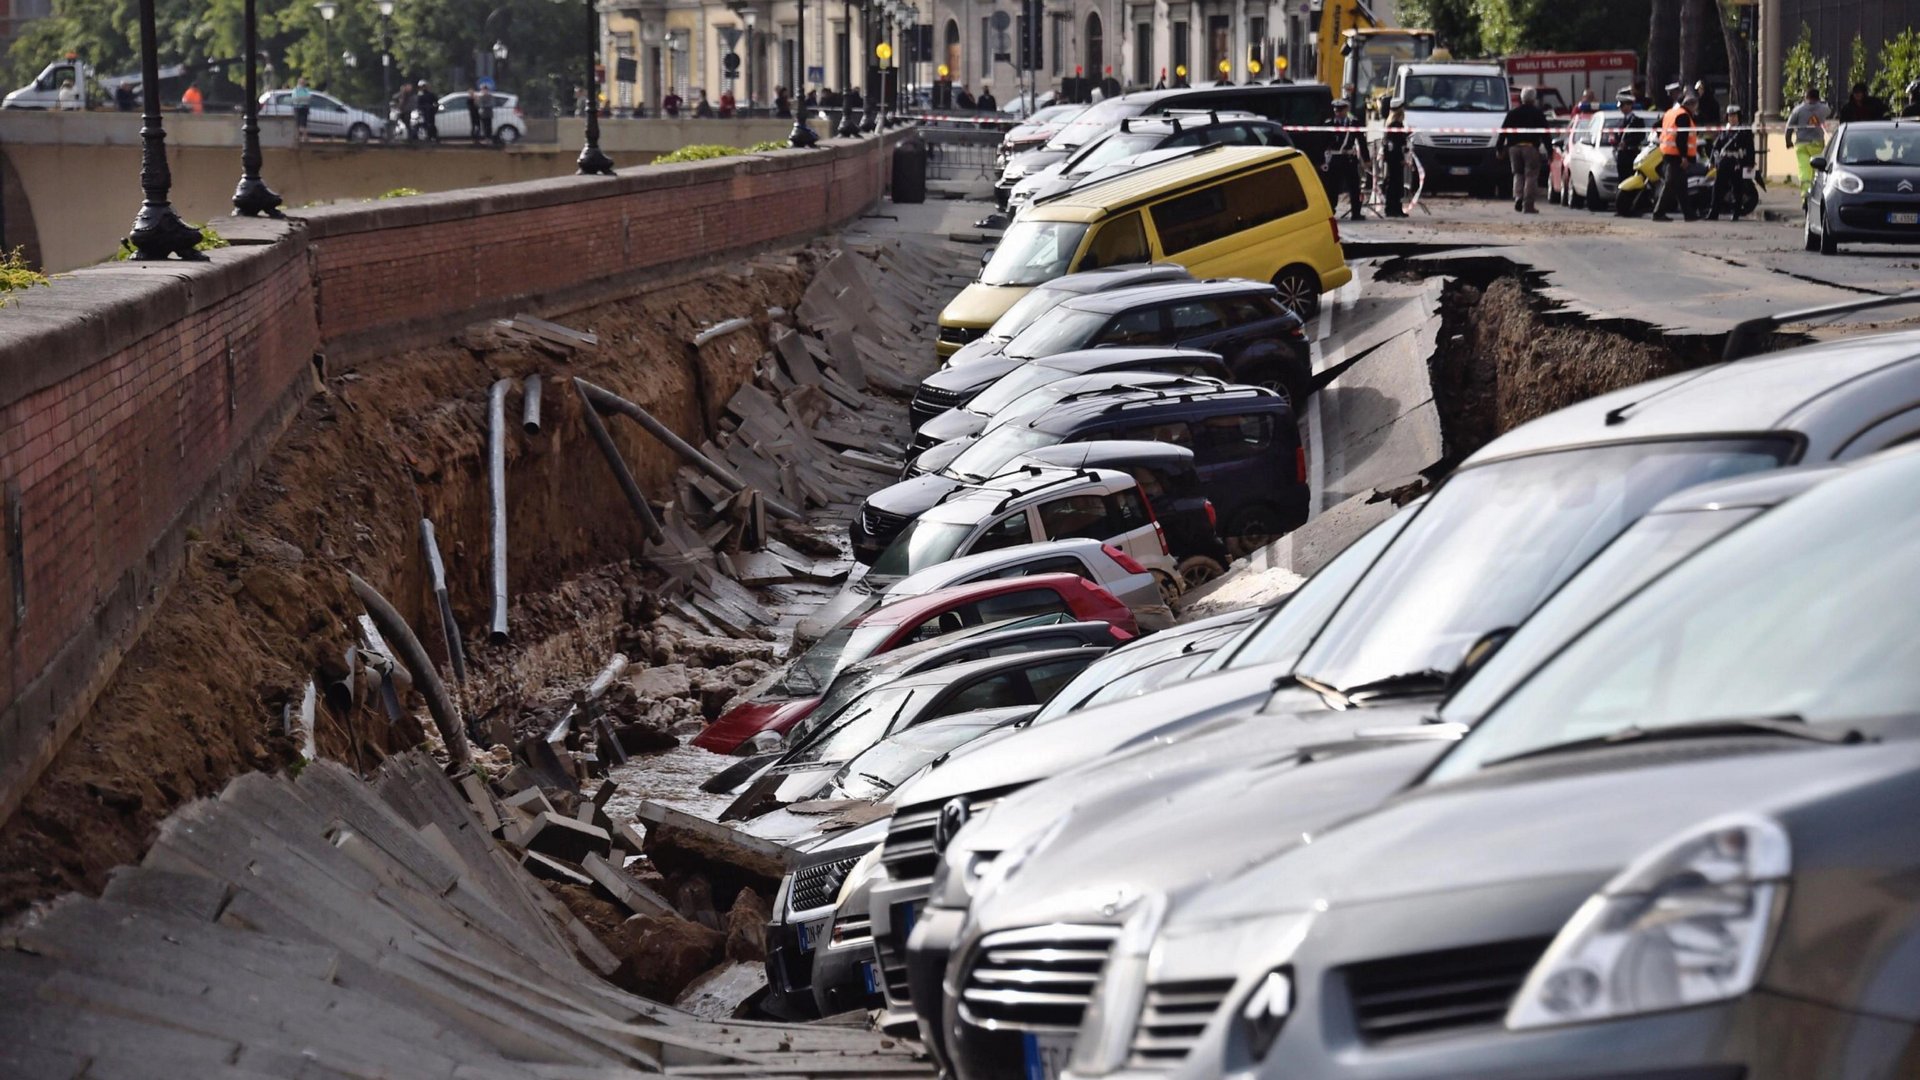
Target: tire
x,y
506,136
1593,200
1299,290
359,134
1828,245
1810,238
1746,199
1197,570
1170,587
1578,199
1251,529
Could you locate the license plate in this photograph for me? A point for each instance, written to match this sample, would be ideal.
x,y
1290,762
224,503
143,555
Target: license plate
x,y
1047,1055
810,934
1903,219
1459,170
867,978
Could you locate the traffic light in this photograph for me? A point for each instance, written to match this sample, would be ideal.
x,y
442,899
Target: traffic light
x,y
1032,28
730,64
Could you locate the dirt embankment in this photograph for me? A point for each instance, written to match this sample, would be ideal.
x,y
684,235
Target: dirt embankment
x,y
1502,361
262,604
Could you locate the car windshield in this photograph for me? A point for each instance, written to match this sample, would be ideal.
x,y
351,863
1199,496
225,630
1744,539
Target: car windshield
x,y
1879,146
1092,122
1051,394
813,670
1032,252
985,457
884,765
847,687
1495,539
1091,686
1063,330
1282,636
1645,551
1730,636
1470,93
921,544
1026,309
1120,144
1013,385
864,723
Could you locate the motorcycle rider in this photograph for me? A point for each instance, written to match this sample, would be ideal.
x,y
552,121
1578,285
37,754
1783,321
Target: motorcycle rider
x,y
1733,152
1679,145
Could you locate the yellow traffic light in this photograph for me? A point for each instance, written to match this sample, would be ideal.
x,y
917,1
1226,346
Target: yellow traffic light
x,y
943,71
883,50
1226,66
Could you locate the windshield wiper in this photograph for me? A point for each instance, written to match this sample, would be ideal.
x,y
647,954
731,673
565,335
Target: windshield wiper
x,y
1788,725
1424,681
880,782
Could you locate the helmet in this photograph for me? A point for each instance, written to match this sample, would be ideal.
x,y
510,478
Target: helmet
x,y
1626,94
1733,109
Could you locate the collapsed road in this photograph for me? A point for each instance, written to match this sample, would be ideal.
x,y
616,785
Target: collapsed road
x,y
596,582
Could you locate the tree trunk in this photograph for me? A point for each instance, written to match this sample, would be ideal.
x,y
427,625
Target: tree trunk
x,y
1738,75
1663,48
1693,19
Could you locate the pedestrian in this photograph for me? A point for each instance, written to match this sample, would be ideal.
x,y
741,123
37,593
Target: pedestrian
x,y
473,112
123,97
702,110
669,105
1395,143
986,102
855,103
1733,153
1586,104
403,107
782,105
1708,115
1862,105
1632,136
727,104
1524,134
486,109
1912,108
1807,134
1342,165
812,100
191,99
302,98
429,107
964,98
1679,145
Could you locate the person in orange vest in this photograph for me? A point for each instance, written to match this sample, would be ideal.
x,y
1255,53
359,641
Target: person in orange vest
x,y
192,100
1678,147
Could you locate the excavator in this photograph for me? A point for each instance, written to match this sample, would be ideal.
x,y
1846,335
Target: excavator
x,y
1368,52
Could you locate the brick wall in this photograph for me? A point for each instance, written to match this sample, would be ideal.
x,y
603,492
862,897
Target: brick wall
x,y
134,398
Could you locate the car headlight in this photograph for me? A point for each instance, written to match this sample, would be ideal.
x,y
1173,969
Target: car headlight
x,y
1686,924
857,874
1849,183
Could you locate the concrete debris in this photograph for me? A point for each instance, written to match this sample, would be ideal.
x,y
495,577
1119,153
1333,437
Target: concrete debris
x,y
725,992
561,837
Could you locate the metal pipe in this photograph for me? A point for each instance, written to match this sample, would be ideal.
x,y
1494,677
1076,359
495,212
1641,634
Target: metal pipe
x,y
437,571
601,398
446,717
615,667
530,405
497,504
380,667
598,429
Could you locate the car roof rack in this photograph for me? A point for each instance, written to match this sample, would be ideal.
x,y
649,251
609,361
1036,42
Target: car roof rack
x,y
1069,475
1197,382
1188,395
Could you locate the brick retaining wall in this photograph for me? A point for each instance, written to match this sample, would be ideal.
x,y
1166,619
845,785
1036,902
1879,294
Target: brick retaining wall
x,y
134,399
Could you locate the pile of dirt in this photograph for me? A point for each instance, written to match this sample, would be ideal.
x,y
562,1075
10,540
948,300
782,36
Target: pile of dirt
x,y
262,604
660,955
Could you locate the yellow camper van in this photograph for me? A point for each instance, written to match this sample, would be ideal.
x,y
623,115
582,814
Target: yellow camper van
x,y
1254,212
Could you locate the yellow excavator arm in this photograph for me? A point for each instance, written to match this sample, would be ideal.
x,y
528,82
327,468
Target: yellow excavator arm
x,y
1336,18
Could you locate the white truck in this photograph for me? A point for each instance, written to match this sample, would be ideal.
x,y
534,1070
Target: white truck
x,y
61,85
1454,110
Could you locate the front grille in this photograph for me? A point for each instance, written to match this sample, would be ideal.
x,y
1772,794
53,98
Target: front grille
x,y
815,886
1441,991
922,442
1036,979
1172,1019
880,525
909,854
852,928
1462,140
960,335
930,401
890,952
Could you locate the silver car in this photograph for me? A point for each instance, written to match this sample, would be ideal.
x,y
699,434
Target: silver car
x,y
326,116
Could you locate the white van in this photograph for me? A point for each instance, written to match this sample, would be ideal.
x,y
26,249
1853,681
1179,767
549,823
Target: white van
x,y
1455,111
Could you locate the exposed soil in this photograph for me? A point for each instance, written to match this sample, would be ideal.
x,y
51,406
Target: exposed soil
x,y
262,604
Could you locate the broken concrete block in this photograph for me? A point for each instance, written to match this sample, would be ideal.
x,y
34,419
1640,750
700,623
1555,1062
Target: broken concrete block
x,y
667,680
747,927
725,993
561,837
531,801
554,870
625,889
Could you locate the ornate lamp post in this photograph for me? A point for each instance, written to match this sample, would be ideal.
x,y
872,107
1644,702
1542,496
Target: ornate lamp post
x,y
252,197
385,7
157,231
327,9
591,161
849,125
909,43
801,136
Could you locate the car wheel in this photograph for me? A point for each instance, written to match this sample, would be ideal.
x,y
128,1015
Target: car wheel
x,y
1810,237
359,133
1576,199
506,136
1170,589
1593,200
1299,290
1197,570
1828,245
1250,530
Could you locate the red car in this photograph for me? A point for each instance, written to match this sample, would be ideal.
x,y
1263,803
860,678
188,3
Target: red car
x,y
792,693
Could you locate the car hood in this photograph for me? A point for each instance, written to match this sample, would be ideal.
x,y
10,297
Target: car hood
x,y
1033,753
1174,836
974,377
977,350
823,837
1463,119
913,496
954,423
855,598
1034,160
981,305
744,721
933,459
1583,814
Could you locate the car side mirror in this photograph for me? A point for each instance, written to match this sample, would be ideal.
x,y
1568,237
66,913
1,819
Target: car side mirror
x,y
1819,164
987,257
1479,653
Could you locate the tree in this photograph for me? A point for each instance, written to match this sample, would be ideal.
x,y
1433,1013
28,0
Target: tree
x,y
1857,63
1804,70
1454,21
1899,65
1735,36
1693,20
1663,44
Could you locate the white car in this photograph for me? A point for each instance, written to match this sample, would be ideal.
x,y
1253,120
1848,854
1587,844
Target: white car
x,y
509,122
1589,178
326,116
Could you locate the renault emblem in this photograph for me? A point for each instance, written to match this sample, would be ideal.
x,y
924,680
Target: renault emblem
x,y
1904,185
953,817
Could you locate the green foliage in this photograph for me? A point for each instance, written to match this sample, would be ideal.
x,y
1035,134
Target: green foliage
x,y
209,240
1500,27
398,193
1857,62
1899,65
1455,21
768,146
696,152
15,274
1802,70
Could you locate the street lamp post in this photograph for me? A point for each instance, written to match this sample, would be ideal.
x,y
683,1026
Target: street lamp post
x,y
848,125
801,136
869,27
591,161
327,9
252,197
157,231
748,17
385,7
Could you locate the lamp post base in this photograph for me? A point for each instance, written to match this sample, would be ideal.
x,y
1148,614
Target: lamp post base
x,y
253,198
849,124
158,232
802,136
592,162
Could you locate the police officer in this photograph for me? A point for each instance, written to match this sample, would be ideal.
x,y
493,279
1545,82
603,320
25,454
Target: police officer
x,y
1396,157
1678,147
1342,166
1733,153
1633,133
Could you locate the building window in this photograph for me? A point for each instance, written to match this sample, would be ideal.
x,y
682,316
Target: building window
x,y
1257,45
1057,58
1219,44
986,48
1143,74
1182,54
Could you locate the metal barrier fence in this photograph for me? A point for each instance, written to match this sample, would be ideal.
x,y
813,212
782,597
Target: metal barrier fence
x,y
958,154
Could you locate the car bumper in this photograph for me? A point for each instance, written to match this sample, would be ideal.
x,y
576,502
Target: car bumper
x,y
846,977
935,934
1868,218
789,973
1445,165
895,907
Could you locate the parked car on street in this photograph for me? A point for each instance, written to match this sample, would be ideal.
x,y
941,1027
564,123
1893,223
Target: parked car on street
x,y
962,425
1866,187
1033,132
794,690
961,345
1584,174
1139,134
509,121
327,116
1003,378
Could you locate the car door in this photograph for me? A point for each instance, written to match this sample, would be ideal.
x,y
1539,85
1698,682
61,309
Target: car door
x,y
1202,324
1235,454
1141,326
1013,605
1120,519
1117,242
326,116
1007,530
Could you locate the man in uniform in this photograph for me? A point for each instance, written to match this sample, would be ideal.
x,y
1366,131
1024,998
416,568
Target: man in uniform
x,y
1678,146
1342,166
1733,153
1395,152
1633,134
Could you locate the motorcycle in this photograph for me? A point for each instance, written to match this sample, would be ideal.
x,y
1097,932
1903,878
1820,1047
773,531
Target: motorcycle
x,y
1640,192
1641,187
